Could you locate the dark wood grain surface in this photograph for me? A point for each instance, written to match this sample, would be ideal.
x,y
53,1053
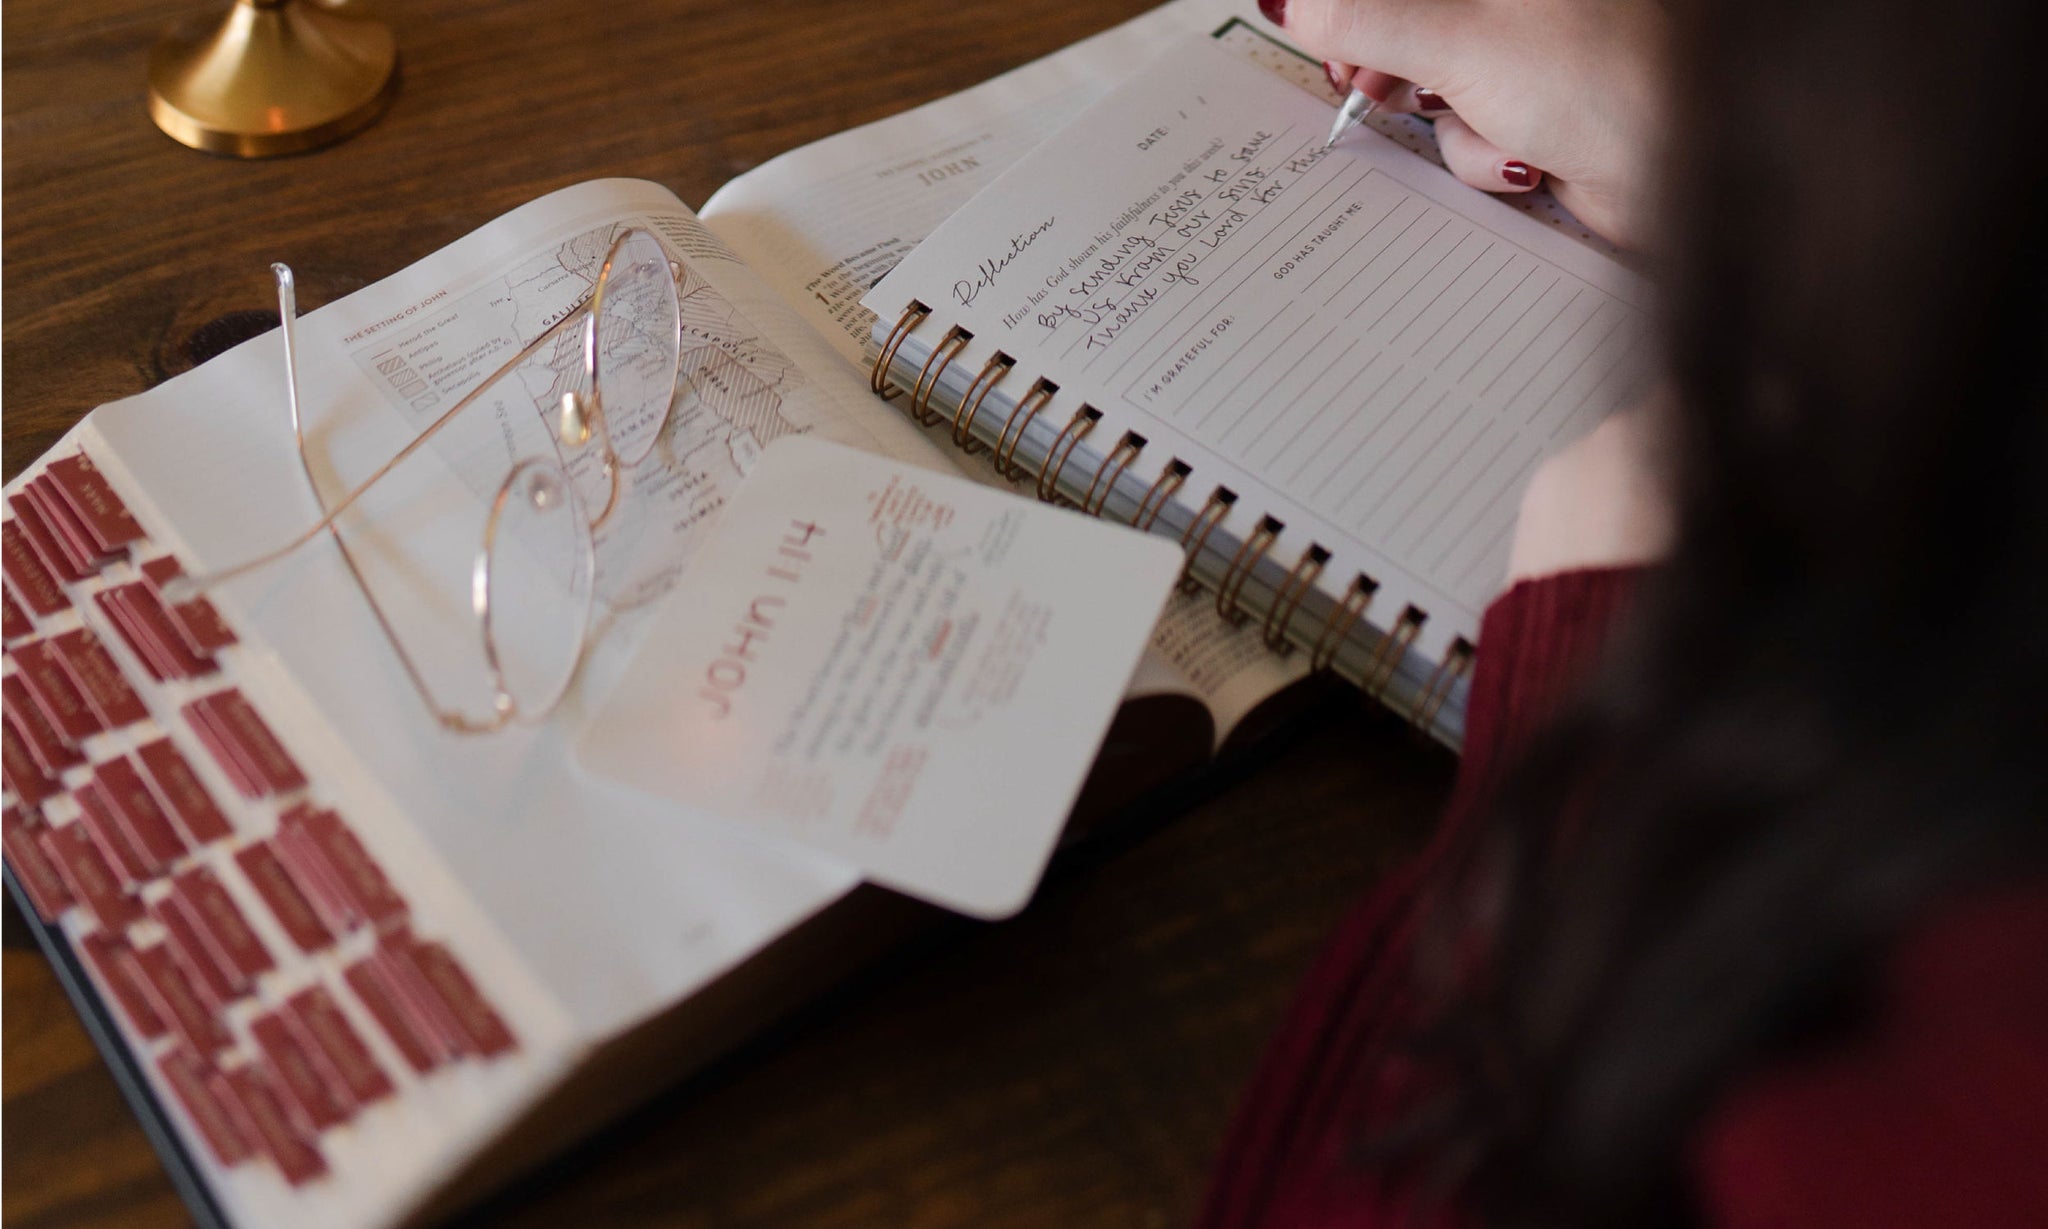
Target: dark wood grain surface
x,y
1074,1066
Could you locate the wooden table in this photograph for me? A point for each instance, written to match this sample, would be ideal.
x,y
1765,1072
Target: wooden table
x,y
1074,1066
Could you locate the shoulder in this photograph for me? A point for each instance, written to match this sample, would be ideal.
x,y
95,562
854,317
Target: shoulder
x,y
1938,1114
1601,501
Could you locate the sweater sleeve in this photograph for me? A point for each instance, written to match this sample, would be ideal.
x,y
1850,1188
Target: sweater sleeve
x,y
1283,1162
1536,645
1937,1115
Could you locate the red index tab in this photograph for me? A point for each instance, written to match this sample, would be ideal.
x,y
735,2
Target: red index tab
x,y
340,864
123,854
103,952
222,928
23,775
90,879
112,603
315,1102
247,741
207,978
149,626
252,1101
27,573
421,1048
173,998
92,670
16,623
32,866
337,909
317,1020
204,630
194,1080
136,810
481,1030
72,534
430,1014
49,749
175,785
84,489
53,692
56,555
287,904
223,751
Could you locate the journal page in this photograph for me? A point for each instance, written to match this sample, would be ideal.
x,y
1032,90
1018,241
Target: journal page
x,y
1349,339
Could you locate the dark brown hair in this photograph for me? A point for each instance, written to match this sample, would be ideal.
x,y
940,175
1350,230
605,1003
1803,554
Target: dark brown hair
x,y
1831,713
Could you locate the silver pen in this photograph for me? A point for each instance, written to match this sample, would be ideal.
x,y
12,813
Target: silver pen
x,y
1355,109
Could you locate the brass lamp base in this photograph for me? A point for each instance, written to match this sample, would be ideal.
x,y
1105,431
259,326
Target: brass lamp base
x,y
278,77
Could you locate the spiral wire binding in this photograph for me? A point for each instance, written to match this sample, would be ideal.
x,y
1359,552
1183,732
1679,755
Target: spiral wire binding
x,y
1112,468
991,374
1432,697
928,379
1037,399
1160,494
1277,627
1196,535
878,379
1287,598
1386,659
1063,446
1249,553
1338,623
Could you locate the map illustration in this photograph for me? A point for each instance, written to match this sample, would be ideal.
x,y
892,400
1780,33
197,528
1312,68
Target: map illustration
x,y
729,401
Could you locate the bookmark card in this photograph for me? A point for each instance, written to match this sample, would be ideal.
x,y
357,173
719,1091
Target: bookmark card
x,y
906,670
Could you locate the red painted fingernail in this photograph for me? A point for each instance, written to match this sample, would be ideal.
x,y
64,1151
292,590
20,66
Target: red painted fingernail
x,y
1429,100
1275,11
1518,173
1339,74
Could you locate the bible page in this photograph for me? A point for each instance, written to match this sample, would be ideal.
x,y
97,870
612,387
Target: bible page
x,y
618,904
823,223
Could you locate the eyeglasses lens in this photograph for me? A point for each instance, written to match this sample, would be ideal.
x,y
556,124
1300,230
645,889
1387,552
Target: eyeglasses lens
x,y
537,584
638,342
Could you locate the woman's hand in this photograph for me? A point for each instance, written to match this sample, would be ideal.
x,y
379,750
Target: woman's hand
x,y
1572,89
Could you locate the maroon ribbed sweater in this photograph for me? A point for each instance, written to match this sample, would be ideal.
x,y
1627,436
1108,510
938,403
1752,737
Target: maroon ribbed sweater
x,y
1937,1114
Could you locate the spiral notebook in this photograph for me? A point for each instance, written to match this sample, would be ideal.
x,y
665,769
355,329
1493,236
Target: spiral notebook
x,y
1327,373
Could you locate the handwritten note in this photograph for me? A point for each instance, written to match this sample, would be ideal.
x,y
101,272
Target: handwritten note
x,y
1349,339
906,670
968,289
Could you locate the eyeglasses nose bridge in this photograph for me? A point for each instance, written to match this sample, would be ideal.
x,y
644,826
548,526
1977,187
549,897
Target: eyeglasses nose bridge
x,y
572,425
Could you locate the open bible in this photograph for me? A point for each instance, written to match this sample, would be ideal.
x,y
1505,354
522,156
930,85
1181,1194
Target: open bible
x,y
351,966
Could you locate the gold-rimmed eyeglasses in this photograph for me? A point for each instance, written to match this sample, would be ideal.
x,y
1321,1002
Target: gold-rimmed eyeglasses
x,y
532,581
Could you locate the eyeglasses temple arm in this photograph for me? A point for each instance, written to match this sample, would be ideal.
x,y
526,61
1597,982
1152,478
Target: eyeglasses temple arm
x,y
287,323
184,588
